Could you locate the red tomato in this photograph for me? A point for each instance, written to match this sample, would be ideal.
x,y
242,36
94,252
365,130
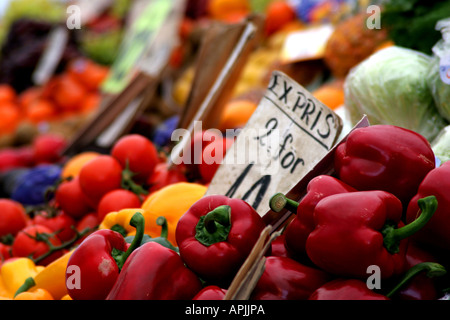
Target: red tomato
x,y
48,147
278,14
70,198
27,243
199,141
117,200
99,176
212,156
90,221
61,223
163,176
5,252
140,154
13,217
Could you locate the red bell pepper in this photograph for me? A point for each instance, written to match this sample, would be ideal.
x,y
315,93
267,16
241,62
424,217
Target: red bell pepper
x,y
287,279
216,235
301,226
358,229
155,272
417,284
211,293
98,261
384,157
346,289
421,287
278,248
436,232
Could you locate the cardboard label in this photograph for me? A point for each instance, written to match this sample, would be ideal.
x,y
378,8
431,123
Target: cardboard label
x,y
284,139
135,44
308,44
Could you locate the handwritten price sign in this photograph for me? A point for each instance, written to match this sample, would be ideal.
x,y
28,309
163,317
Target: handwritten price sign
x,y
285,138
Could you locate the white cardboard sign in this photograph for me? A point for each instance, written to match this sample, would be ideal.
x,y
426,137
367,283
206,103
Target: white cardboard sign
x,y
284,139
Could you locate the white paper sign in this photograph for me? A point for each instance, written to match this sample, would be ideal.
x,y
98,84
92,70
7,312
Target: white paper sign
x,y
285,138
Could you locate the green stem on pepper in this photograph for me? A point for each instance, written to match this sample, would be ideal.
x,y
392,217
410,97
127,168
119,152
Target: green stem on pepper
x,y
27,285
279,202
137,221
162,221
214,226
432,269
392,235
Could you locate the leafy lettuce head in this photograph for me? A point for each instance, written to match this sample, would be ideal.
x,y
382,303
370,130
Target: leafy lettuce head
x,y
390,87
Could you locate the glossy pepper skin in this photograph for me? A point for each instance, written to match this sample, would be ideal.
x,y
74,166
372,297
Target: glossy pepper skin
x,y
211,293
384,157
358,229
98,260
216,235
302,224
287,279
346,289
437,183
155,272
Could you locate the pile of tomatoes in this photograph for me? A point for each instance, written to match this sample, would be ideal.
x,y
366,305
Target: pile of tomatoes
x,y
90,186
75,91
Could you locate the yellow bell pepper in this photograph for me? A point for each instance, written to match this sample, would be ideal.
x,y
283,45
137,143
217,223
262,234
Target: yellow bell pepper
x,y
48,282
36,294
53,277
170,202
13,274
4,292
120,221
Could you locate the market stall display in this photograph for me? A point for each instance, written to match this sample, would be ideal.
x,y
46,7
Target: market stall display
x,y
224,150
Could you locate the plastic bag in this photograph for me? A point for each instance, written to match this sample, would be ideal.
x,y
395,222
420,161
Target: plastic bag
x,y
439,72
390,87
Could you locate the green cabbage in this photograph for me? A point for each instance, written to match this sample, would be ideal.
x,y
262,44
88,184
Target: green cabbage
x,y
441,145
390,87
